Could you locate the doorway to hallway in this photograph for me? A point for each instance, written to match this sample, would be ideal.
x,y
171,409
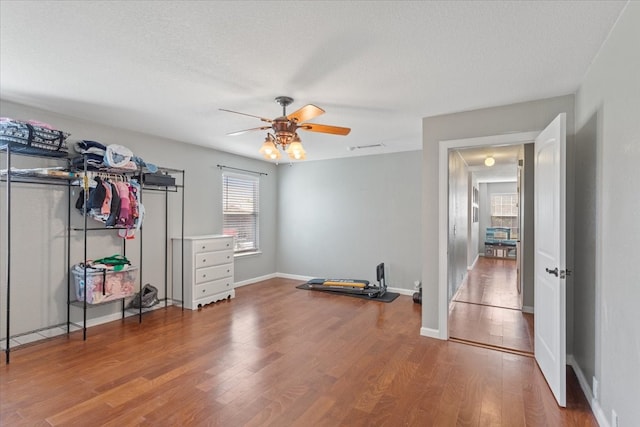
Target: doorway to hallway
x,y
486,309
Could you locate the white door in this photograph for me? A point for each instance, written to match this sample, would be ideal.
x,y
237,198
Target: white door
x,y
550,269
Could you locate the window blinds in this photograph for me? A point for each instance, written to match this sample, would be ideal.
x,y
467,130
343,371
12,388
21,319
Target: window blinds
x,y
240,206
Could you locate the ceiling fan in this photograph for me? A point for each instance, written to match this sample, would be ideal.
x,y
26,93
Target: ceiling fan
x,y
283,130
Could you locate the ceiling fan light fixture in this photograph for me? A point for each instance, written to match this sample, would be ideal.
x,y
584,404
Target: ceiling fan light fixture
x,y
274,156
269,148
282,131
489,161
296,151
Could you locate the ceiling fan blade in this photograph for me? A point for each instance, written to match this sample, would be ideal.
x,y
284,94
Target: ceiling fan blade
x,y
245,114
240,132
335,130
305,113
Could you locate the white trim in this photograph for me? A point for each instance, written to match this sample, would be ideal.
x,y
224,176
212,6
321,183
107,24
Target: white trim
x,y
431,333
254,280
443,205
473,264
462,283
118,316
247,254
402,291
294,276
527,309
584,385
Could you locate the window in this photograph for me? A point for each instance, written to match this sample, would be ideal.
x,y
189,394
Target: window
x,y
240,210
504,212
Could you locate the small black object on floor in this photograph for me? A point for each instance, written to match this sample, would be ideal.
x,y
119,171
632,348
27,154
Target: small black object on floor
x,y
387,297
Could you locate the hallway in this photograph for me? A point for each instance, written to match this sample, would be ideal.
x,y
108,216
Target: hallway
x,y
485,309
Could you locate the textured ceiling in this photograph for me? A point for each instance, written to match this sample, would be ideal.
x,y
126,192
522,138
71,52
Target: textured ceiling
x,y
165,68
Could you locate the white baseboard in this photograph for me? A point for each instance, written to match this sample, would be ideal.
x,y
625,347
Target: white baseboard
x,y
294,276
586,389
431,333
254,280
118,315
473,264
402,291
527,309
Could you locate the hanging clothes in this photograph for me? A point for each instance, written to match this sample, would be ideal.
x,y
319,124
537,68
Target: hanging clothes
x,y
114,211
124,219
106,205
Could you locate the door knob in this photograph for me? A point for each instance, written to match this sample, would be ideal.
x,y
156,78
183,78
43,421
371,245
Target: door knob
x,y
554,271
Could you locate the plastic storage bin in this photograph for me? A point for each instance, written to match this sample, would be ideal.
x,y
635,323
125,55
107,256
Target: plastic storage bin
x,y
104,286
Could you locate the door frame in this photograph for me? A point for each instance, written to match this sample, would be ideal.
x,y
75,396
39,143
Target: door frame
x,y
443,214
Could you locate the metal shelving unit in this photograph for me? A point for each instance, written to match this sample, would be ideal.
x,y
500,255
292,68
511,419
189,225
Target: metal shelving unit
x,y
9,178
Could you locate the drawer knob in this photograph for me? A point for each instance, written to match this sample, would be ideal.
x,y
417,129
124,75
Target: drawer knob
x,y
204,260
203,247
204,275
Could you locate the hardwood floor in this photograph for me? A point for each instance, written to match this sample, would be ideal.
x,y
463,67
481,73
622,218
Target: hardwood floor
x,y
494,326
492,281
484,309
276,355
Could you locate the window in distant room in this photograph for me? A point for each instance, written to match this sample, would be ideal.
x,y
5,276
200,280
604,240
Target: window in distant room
x,y
240,210
504,212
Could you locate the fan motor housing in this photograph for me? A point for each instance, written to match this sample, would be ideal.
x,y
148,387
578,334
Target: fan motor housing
x,y
283,126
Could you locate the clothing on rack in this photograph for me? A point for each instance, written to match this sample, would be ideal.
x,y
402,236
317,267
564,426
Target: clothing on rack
x,y
114,262
114,209
113,200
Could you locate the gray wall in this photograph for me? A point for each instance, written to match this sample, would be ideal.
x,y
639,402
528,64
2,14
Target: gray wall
x,y
522,117
473,228
608,140
340,218
38,228
457,223
527,236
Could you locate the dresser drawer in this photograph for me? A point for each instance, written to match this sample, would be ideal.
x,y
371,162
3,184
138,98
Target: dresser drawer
x,y
208,274
212,288
208,259
203,270
210,245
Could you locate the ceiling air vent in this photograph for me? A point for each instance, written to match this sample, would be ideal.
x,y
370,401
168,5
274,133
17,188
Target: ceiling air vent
x,y
362,147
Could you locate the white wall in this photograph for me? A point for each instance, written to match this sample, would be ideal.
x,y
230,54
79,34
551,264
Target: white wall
x,y
608,128
340,218
38,252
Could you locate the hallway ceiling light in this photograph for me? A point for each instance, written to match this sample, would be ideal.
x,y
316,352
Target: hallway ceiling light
x,y
489,161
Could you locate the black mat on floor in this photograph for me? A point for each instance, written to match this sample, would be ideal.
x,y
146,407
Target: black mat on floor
x,y
387,297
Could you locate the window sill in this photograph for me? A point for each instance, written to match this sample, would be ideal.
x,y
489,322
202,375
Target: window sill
x,y
247,254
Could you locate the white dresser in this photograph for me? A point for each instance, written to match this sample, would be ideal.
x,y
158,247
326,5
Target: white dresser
x,y
208,270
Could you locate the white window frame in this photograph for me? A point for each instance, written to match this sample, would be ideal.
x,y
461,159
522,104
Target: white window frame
x,y
233,210
511,214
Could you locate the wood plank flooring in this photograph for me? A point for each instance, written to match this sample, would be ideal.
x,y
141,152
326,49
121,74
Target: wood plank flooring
x,y
483,311
277,356
492,281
